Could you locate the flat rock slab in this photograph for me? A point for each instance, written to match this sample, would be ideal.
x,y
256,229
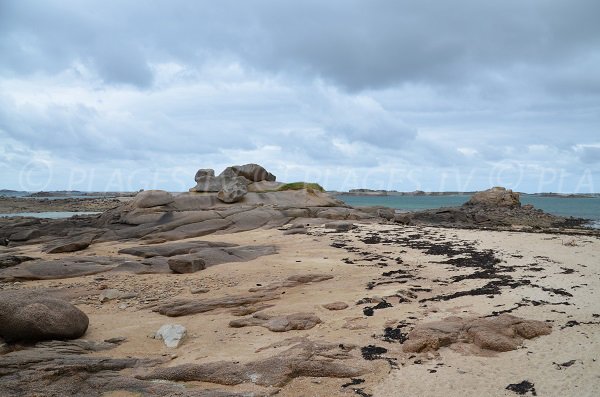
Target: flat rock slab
x,y
305,359
279,323
171,249
204,253
501,333
184,307
70,245
60,368
49,270
293,281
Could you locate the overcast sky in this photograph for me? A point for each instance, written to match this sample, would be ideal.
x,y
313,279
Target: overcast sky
x,y
429,95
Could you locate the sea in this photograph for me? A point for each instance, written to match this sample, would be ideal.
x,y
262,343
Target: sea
x,y
587,208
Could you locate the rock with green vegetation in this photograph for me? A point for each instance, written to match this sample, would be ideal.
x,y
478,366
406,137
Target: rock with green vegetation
x,y
300,186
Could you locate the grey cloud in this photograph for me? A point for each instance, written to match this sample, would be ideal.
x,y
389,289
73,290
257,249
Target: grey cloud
x,y
590,154
355,44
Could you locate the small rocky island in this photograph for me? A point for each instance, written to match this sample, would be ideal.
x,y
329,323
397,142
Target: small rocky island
x,y
245,286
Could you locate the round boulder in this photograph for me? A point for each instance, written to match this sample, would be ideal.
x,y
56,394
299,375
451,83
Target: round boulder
x,y
33,316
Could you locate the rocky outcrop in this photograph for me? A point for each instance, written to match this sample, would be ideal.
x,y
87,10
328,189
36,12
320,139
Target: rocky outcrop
x,y
501,333
496,207
31,316
495,197
190,263
231,184
278,323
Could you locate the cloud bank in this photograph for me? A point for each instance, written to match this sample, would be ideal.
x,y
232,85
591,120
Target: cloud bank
x,y
399,95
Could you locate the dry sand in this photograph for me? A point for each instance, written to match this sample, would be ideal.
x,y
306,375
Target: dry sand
x,y
555,265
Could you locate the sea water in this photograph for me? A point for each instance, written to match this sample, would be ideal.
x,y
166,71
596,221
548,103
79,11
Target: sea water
x,y
587,208
50,214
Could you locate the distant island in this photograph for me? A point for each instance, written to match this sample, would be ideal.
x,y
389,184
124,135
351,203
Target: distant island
x,y
416,193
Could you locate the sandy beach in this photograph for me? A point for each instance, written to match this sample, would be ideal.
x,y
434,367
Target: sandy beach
x,y
550,278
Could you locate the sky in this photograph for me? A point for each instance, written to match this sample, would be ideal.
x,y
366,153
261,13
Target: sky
x,y
383,94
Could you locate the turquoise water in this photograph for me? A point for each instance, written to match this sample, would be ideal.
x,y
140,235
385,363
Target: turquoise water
x,y
588,208
49,215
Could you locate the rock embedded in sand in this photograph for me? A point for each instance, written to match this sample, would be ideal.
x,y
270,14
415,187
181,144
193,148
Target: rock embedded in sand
x,y
184,307
293,281
340,226
305,359
336,306
495,197
189,263
32,316
501,333
171,334
279,323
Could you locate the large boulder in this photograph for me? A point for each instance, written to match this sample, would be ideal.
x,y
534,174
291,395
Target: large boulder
x,y
152,198
233,190
206,181
495,197
253,172
32,316
203,173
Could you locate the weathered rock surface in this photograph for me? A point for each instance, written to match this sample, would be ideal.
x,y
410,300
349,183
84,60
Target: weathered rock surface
x,y
496,207
58,368
292,281
171,334
233,190
8,260
206,253
24,235
70,245
152,198
495,197
189,263
184,307
304,359
279,323
253,172
501,333
31,316
60,268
